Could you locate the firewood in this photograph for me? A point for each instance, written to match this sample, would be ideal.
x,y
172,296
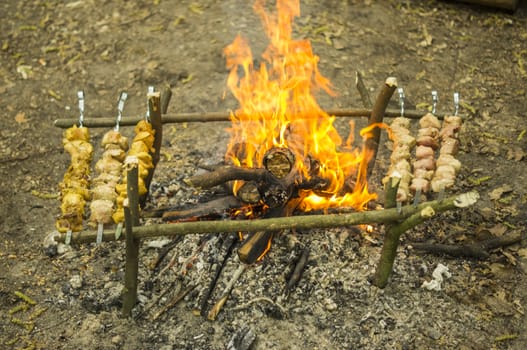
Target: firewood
x,y
249,193
228,173
279,161
213,209
255,246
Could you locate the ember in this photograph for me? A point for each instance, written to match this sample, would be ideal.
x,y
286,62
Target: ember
x,y
278,111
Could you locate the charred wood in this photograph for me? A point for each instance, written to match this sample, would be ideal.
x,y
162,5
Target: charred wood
x,y
217,208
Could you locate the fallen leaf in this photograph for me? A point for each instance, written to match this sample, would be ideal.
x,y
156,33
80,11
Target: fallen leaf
x,y
498,230
196,8
20,118
515,153
496,193
522,252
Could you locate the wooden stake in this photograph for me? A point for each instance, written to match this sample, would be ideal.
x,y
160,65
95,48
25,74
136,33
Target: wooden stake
x,y
377,115
131,213
391,242
154,107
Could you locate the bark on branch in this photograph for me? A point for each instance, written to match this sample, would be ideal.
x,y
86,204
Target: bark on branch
x,y
101,121
276,224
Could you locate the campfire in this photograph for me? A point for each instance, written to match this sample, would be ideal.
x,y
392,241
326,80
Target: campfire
x,y
279,125
285,152
284,158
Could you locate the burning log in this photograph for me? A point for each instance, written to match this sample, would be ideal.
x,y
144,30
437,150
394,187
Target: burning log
x,y
217,208
227,173
279,161
256,246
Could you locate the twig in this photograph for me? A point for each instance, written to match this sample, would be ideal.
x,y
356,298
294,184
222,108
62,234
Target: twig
x,y
230,242
226,292
259,300
156,299
174,301
479,250
363,92
297,272
281,223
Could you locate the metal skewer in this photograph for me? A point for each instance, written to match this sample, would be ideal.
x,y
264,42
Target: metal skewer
x,y
417,197
67,240
400,91
456,103
120,108
80,96
147,114
435,99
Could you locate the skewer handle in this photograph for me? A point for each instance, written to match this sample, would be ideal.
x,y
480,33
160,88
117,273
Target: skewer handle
x,y
80,96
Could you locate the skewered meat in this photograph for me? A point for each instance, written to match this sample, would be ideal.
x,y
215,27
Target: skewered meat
x,y
427,142
424,152
74,188
449,146
142,146
400,159
429,121
109,170
447,165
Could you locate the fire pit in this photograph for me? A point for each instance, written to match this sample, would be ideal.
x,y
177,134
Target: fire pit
x,y
284,158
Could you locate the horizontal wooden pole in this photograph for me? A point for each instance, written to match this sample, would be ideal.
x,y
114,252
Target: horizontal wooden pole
x,y
281,223
97,121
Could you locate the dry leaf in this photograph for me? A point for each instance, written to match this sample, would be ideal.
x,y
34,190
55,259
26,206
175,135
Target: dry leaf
x,y
515,153
522,252
496,193
498,230
20,118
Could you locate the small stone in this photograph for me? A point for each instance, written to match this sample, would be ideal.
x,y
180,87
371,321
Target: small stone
x,y
117,339
330,304
76,282
434,333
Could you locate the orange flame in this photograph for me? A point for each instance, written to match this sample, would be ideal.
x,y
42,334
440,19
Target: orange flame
x,y
278,109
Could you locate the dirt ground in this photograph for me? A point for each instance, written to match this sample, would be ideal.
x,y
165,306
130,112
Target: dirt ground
x,y
51,49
